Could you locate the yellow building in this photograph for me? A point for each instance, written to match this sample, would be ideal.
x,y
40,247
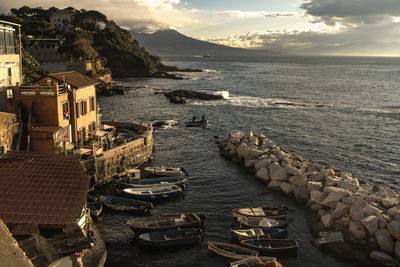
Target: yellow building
x,y
60,107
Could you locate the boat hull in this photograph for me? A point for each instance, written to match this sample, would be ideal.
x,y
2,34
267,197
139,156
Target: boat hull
x,y
273,212
271,246
242,234
172,238
152,193
231,251
120,204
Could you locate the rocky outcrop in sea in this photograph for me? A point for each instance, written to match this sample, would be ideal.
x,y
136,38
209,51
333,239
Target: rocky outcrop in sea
x,y
365,213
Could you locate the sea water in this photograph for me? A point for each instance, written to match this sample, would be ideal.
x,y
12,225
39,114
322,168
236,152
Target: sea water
x,y
337,111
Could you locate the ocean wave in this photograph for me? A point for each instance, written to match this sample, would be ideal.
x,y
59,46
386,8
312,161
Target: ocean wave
x,y
211,71
257,102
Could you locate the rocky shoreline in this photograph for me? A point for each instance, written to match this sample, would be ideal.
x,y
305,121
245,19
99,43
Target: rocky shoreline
x,y
367,215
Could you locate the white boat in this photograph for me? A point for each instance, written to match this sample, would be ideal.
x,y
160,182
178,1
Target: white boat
x,y
152,193
165,171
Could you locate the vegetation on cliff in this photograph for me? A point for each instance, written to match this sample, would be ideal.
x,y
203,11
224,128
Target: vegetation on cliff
x,y
91,36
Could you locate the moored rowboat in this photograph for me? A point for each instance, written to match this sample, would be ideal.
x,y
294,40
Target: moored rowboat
x,y
165,171
241,234
123,204
168,238
261,222
152,193
268,246
256,261
267,211
231,251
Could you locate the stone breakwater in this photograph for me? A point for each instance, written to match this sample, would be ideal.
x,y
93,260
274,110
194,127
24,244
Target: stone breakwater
x,y
363,212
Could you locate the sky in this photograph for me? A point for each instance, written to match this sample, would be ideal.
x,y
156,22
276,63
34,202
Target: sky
x,y
335,27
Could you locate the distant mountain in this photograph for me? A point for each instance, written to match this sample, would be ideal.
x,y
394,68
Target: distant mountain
x,y
171,42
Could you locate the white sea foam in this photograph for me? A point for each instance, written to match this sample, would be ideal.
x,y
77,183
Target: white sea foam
x,y
210,71
224,94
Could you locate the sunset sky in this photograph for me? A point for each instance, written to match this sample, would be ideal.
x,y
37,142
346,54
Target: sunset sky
x,y
356,27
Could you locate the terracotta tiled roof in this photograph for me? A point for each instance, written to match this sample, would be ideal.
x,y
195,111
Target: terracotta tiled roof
x,y
75,79
45,128
41,188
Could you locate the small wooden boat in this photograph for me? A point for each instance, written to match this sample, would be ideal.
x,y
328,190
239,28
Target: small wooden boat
x,y
256,262
268,211
151,182
168,238
166,222
231,251
164,171
196,123
242,234
152,193
271,246
94,205
261,222
123,204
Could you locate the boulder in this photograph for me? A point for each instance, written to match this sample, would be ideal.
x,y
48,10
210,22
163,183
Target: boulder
x,y
328,172
317,196
348,185
314,186
330,189
370,223
263,174
278,173
249,163
342,222
295,171
317,177
263,163
341,210
386,192
357,229
385,241
334,197
253,153
274,185
394,229
371,210
390,202
252,140
345,175
322,212
327,220
287,162
316,207
241,151
301,193
287,188
332,181
395,211
397,250
383,220
356,212
298,180
383,259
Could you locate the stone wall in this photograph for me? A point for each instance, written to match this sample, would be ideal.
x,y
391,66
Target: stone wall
x,y
8,129
365,213
118,160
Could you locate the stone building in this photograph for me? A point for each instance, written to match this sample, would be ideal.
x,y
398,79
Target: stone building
x,y
62,19
60,107
10,59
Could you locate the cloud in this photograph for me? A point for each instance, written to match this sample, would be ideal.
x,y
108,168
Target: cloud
x,y
157,5
256,14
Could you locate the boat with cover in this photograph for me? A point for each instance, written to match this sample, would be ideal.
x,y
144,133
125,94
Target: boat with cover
x,y
261,222
256,262
152,193
267,211
170,238
162,171
267,246
196,123
122,204
242,234
166,222
231,251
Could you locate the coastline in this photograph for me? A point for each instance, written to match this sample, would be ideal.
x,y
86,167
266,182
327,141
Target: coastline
x,y
367,215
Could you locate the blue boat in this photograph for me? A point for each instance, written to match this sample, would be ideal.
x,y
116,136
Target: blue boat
x,y
172,238
152,193
242,234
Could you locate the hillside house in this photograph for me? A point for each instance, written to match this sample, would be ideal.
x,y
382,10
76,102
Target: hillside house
x,y
60,107
62,19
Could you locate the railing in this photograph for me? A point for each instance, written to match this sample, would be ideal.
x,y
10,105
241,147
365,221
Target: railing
x,y
45,90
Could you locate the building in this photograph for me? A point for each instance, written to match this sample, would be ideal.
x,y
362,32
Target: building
x,y
42,191
60,107
10,59
62,19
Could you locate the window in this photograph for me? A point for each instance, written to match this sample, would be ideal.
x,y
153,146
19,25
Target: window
x,y
65,108
91,103
2,42
79,108
92,127
10,42
81,135
84,103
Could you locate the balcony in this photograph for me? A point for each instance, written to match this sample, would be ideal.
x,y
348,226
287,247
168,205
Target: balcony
x,y
40,90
